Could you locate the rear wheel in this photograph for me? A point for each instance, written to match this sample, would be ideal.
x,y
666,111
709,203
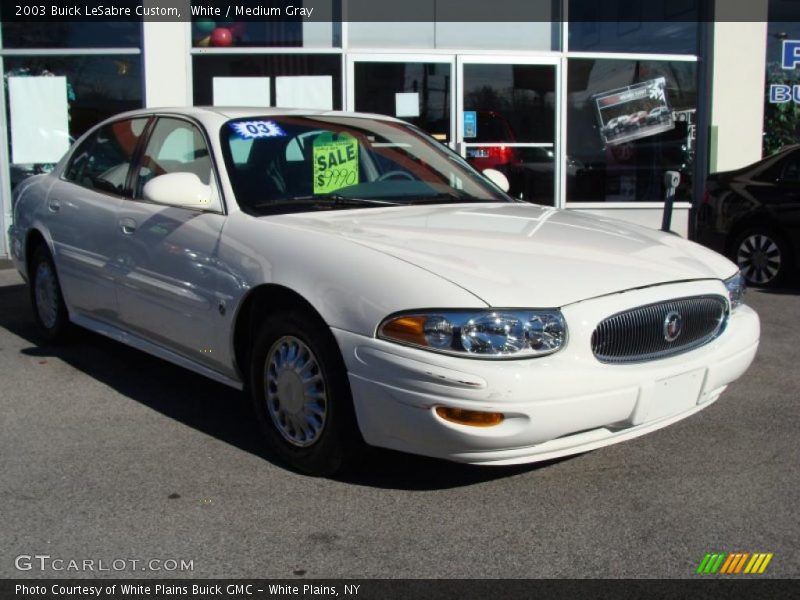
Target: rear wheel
x,y
49,309
763,256
301,394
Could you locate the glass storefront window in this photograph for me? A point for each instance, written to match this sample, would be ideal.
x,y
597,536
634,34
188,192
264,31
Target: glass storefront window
x,y
243,32
286,80
475,36
781,112
657,27
97,87
77,34
419,93
629,121
509,125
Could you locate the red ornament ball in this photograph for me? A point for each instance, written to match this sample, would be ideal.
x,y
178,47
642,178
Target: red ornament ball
x,y
221,36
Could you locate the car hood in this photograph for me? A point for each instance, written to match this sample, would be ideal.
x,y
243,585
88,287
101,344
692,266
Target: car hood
x,y
522,255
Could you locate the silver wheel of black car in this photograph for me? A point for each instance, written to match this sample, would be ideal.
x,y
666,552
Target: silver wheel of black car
x,y
295,391
761,257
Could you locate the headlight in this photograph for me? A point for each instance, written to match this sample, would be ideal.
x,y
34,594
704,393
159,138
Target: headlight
x,y
482,334
736,288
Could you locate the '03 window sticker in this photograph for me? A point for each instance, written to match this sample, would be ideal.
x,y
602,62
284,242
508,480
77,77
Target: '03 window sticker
x,y
251,130
335,162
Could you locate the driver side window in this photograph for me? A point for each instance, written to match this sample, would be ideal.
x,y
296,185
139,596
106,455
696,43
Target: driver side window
x,y
175,146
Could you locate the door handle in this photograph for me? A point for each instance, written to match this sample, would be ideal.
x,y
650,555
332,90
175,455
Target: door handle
x,y
128,226
54,205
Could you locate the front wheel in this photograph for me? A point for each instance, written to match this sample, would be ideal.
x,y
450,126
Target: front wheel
x,y
301,394
49,309
763,256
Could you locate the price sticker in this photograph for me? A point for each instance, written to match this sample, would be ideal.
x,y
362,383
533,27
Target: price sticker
x,y
335,163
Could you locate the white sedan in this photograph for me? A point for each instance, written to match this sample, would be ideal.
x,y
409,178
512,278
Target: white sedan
x,y
365,284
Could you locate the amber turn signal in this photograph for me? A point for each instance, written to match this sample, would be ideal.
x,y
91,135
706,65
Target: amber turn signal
x,y
406,329
473,418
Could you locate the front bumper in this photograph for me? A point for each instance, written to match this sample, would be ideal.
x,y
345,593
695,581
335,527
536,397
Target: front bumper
x,y
557,405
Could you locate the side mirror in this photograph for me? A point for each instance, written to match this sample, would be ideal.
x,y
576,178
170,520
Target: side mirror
x,y
184,190
497,178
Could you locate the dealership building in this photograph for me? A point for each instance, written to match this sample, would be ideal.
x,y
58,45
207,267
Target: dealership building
x,y
584,107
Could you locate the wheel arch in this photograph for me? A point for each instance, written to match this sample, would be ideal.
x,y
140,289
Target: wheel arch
x,y
261,301
34,238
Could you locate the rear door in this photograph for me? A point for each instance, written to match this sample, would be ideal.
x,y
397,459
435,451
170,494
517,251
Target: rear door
x,y
82,216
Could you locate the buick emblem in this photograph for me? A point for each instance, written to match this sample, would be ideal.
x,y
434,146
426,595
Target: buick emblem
x,y
672,326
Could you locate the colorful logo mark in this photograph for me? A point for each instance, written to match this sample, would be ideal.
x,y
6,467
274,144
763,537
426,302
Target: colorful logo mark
x,y
734,563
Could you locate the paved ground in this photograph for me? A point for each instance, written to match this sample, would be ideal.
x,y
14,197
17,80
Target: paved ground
x,y
106,453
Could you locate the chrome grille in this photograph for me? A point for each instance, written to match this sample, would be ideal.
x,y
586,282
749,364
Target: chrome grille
x,y
641,334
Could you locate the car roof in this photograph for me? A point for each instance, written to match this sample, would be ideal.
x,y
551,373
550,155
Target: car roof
x,y
216,115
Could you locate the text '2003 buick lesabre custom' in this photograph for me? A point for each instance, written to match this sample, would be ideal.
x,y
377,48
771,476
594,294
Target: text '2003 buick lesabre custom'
x,y
365,284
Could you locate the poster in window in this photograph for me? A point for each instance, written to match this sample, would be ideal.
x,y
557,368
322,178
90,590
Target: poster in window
x,y
39,119
634,112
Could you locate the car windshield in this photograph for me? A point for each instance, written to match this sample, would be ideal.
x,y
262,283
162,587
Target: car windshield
x,y
293,164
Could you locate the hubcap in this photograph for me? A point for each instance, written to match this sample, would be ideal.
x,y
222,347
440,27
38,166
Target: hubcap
x,y
46,290
759,258
295,391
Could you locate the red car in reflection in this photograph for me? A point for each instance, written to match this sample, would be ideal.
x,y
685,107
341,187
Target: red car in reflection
x,y
492,128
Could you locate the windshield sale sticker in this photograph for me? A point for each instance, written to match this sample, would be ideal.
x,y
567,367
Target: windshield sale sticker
x,y
335,163
250,130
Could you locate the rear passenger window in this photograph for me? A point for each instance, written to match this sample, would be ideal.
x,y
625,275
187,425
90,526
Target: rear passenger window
x,y
103,159
175,146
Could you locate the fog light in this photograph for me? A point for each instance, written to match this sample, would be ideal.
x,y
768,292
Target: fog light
x,y
473,418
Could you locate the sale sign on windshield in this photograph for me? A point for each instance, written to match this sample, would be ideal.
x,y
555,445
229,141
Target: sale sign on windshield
x,y
335,162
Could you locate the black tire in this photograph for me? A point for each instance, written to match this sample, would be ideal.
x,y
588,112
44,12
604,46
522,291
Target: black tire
x,y
336,442
47,301
763,255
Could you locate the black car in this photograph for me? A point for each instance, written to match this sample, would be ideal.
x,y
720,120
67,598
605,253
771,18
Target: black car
x,y
752,215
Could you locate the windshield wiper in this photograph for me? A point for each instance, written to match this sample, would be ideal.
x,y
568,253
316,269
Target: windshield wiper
x,y
451,196
324,200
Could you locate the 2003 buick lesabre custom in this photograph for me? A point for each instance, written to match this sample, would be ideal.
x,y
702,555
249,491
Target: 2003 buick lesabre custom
x,y
365,284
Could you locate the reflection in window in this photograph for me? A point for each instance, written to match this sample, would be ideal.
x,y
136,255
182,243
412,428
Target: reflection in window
x,y
628,164
175,146
781,119
514,103
290,31
415,92
505,105
654,26
102,161
72,34
98,87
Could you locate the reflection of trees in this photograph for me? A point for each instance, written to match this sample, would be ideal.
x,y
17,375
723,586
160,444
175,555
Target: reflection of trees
x,y
487,98
530,113
781,121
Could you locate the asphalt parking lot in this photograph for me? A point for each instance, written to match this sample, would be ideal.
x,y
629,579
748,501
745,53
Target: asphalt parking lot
x,y
108,453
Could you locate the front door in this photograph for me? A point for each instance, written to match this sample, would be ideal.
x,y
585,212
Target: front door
x,y
166,256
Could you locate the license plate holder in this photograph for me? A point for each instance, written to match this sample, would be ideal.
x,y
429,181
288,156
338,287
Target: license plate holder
x,y
676,394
